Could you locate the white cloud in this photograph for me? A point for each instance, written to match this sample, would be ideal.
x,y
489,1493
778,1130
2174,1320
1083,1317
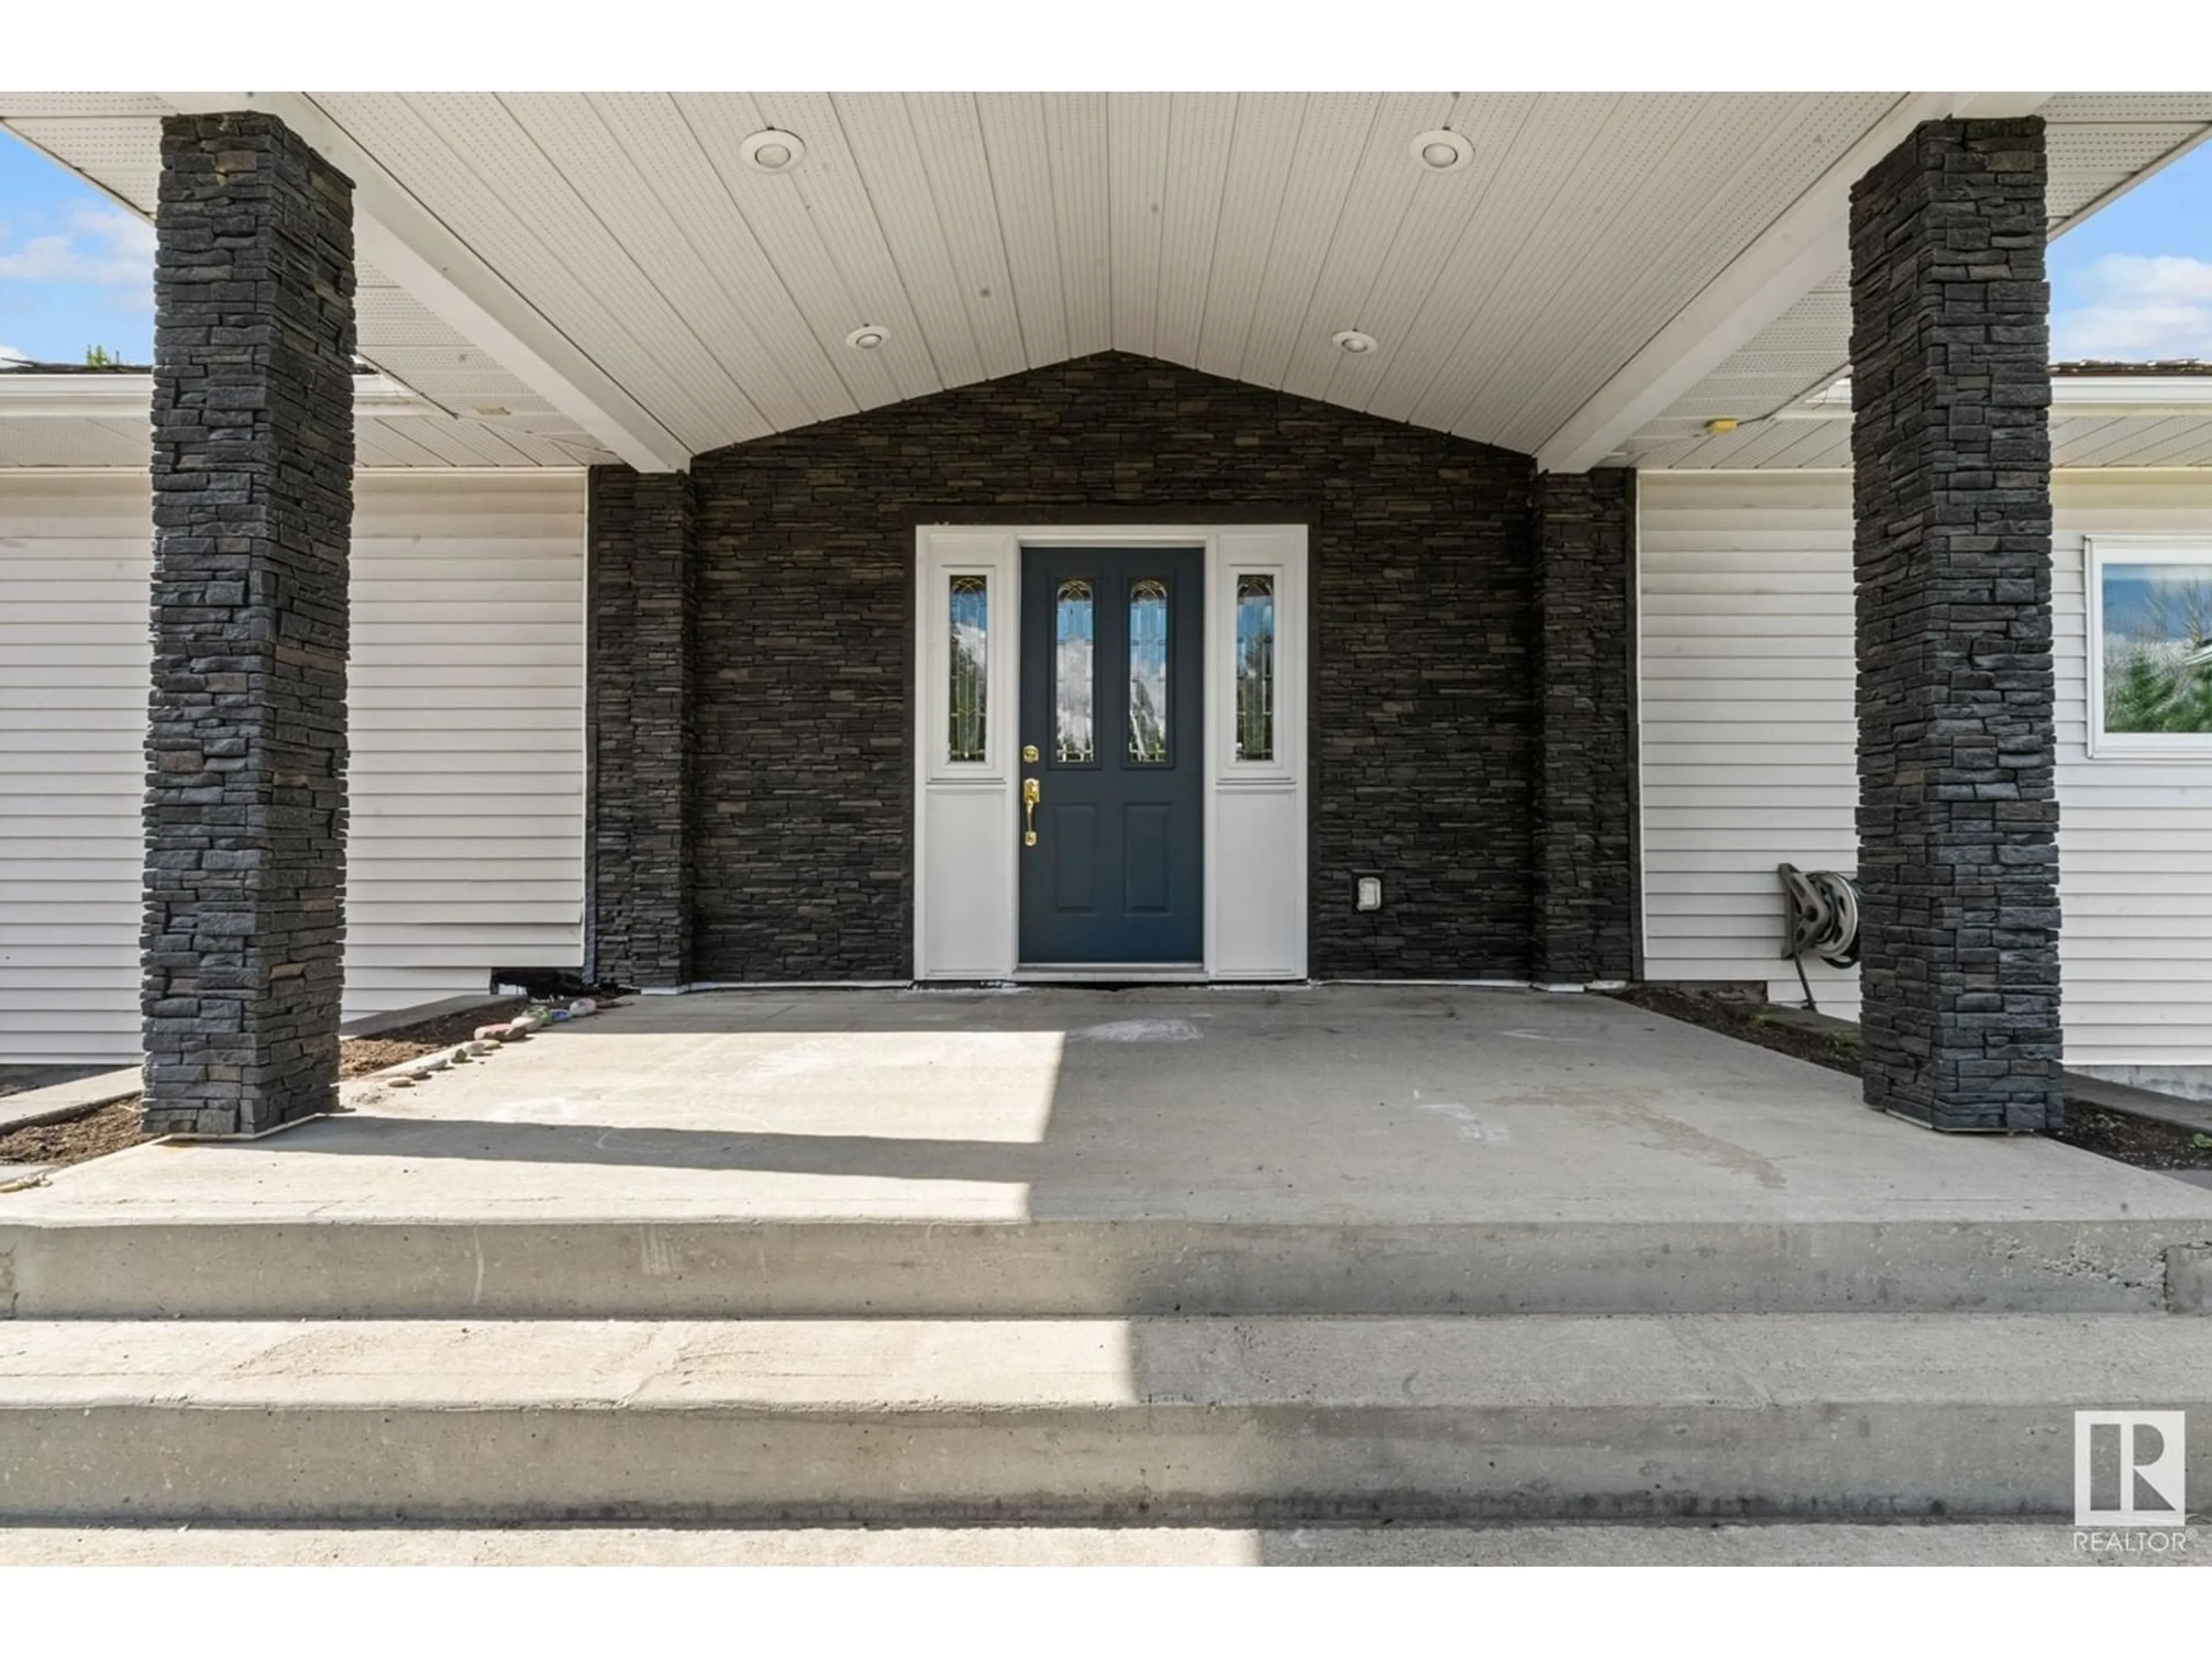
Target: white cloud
x,y
10,354
2139,307
102,246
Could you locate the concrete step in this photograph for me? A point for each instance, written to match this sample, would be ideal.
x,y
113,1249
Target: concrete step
x,y
1597,1544
133,1265
1180,1419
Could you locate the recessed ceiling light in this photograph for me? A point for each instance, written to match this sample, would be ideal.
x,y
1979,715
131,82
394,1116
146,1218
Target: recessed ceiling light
x,y
1442,150
867,338
1722,425
773,151
1353,341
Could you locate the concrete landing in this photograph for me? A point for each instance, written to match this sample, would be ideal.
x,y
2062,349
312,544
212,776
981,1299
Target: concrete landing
x,y
1812,1416
1336,1150
1291,1107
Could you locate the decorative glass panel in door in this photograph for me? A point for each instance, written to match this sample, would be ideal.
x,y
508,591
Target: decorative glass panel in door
x,y
1255,667
970,623
1148,671
1074,741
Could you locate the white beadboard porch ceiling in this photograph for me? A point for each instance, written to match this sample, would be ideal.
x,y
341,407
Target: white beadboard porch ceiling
x,y
114,139
2099,144
993,233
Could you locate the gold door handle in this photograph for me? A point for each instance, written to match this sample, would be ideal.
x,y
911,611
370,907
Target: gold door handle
x,y
1032,791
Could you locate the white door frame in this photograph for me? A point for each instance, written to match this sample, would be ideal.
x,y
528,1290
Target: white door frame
x,y
967,855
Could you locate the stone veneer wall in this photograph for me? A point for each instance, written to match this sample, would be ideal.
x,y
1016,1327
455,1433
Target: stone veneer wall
x,y
1958,804
801,803
641,533
1587,896
245,744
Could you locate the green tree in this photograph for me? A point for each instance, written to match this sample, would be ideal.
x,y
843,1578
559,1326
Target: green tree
x,y
2147,695
2158,676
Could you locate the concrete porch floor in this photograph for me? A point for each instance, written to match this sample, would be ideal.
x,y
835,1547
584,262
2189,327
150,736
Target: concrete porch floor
x,y
1326,1150
1307,1105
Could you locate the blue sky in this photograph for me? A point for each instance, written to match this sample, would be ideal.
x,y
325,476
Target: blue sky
x,y
2133,282
75,270
2161,603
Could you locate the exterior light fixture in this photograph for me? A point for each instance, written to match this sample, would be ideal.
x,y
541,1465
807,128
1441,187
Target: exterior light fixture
x,y
1354,342
1719,427
867,338
1441,151
772,151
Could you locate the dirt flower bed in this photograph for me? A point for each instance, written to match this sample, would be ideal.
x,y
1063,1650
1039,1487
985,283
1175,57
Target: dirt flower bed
x,y
110,1128
1749,1018
2143,1142
359,1056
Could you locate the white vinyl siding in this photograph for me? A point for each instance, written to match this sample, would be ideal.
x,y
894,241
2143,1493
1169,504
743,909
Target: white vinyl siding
x,y
465,848
75,555
2135,836
466,712
1749,760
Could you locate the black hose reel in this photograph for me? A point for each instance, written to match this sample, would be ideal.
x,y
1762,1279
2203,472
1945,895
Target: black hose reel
x,y
1821,919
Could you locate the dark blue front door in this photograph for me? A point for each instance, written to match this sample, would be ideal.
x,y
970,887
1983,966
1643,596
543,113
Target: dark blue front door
x,y
1112,721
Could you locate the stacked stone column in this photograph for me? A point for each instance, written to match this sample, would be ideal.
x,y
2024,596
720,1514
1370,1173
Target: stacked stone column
x,y
1958,808
1586,867
642,533
246,747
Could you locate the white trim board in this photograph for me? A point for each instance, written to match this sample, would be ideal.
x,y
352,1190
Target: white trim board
x,y
967,868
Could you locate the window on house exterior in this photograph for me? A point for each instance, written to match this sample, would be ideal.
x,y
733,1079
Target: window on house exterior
x,y
1255,667
969,623
2150,682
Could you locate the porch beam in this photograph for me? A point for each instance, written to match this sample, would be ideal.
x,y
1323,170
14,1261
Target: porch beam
x,y
35,397
1807,243
398,235
1958,812
2074,397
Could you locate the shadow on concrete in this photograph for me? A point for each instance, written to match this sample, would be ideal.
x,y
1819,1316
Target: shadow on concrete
x,y
1364,1105
631,1146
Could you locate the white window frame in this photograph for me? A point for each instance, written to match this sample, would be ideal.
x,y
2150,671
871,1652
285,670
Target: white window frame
x,y
2097,552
